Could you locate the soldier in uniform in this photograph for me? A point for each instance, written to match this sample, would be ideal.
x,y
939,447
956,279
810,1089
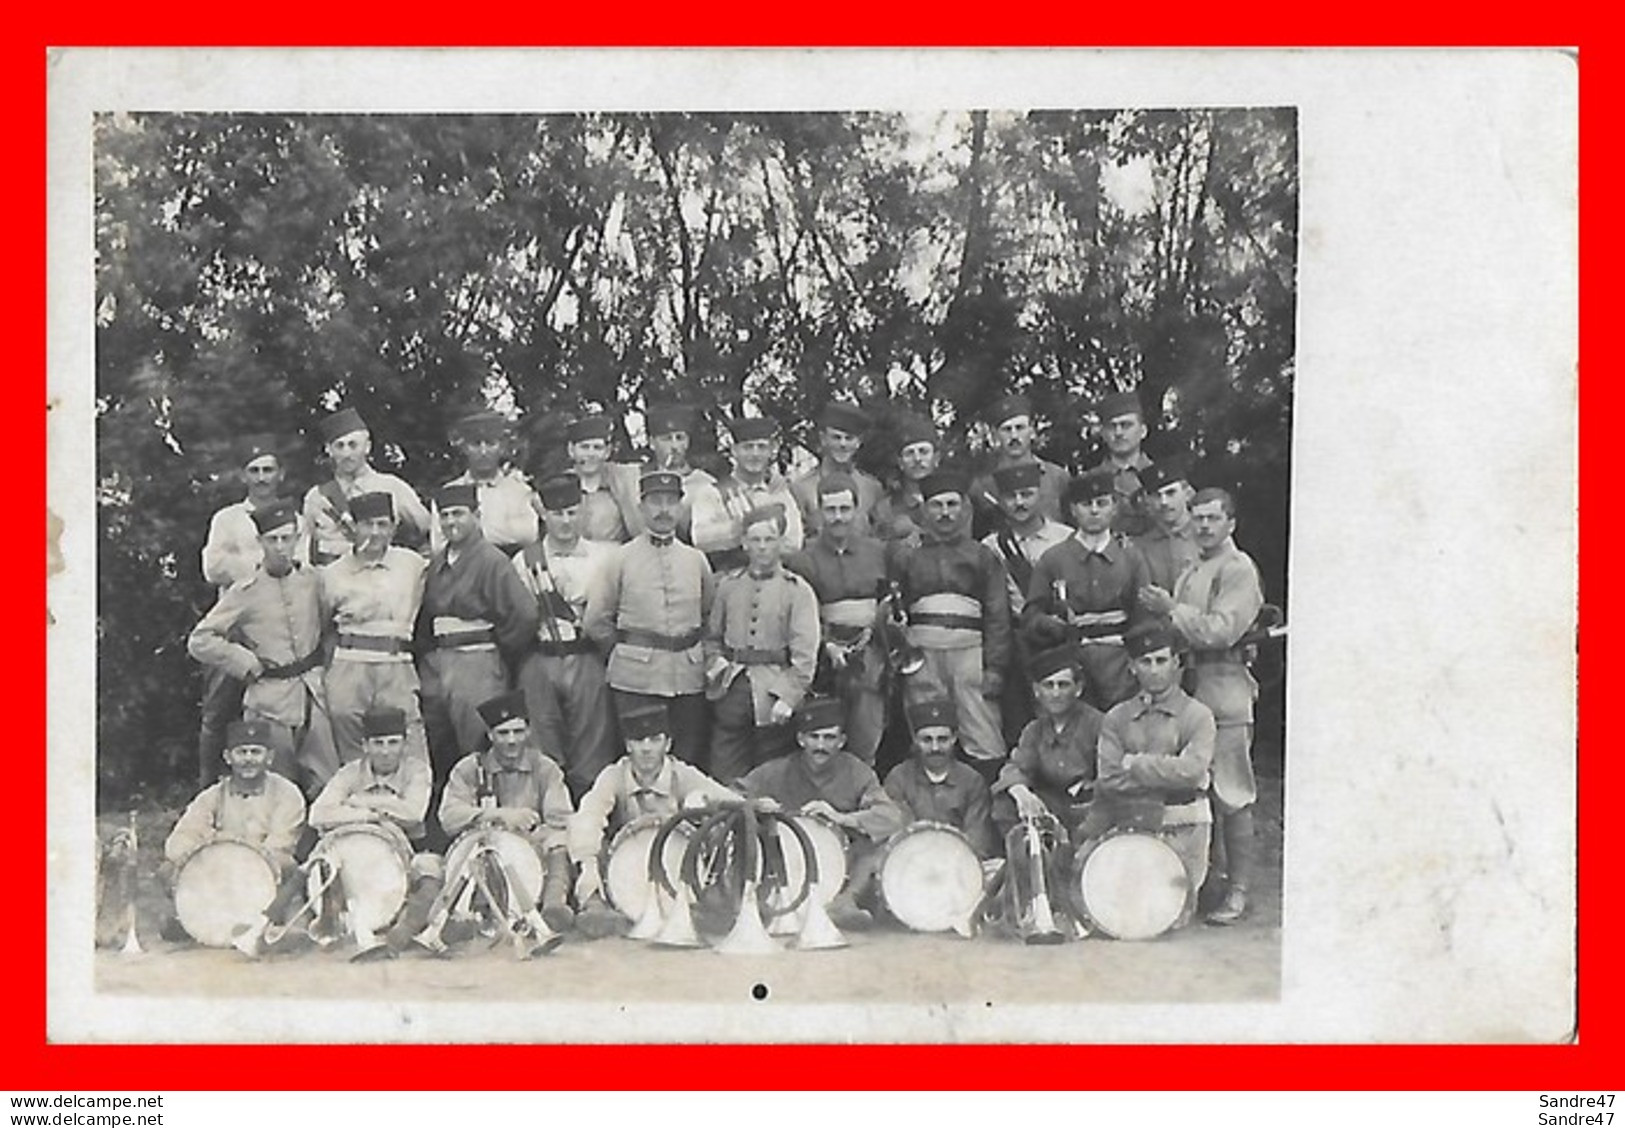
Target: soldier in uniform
x,y
841,430
648,780
502,493
959,615
266,630
1168,546
671,431
1086,587
512,785
475,612
370,598
1052,767
900,514
1212,606
1011,418
609,490
824,780
1122,427
329,516
761,649
562,676
720,506
934,785
646,609
230,554
848,572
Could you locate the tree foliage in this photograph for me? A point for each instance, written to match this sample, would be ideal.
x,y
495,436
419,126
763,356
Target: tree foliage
x,y
253,271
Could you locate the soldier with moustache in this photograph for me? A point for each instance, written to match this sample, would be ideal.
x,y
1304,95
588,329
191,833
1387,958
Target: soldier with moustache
x,y
900,514
671,433
566,692
329,516
719,507
841,428
934,785
1011,418
503,494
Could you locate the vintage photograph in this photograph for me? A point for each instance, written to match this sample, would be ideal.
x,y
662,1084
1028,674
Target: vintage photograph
x,y
538,552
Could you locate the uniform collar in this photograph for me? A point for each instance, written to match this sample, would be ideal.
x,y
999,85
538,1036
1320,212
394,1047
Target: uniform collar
x,y
664,783
1170,702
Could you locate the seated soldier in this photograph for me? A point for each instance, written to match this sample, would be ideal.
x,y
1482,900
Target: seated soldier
x,y
1155,752
252,804
512,785
387,789
935,786
1052,768
825,780
648,780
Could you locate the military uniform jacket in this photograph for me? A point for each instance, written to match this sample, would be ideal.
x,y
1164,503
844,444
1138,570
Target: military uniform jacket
x,y
766,627
805,490
1052,483
328,540
481,586
377,598
719,505
961,800
279,622
971,577
270,818
847,582
1101,586
847,784
1167,554
535,784
1055,760
1029,548
1218,599
405,792
1158,747
1133,506
648,602
617,798
610,509
507,517
559,580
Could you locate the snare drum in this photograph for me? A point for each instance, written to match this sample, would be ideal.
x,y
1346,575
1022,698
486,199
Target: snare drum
x,y
1132,885
222,887
374,870
521,865
829,845
625,863
931,878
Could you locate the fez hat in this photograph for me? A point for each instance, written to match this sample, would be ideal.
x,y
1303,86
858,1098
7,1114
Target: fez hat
x,y
943,481
501,709
239,733
1151,636
279,513
590,427
660,481
454,494
363,506
560,492
1022,476
383,722
1119,403
844,417
668,417
913,429
752,427
341,423
820,713
637,724
933,712
1007,407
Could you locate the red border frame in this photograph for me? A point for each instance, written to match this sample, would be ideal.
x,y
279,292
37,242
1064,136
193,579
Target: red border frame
x,y
31,1064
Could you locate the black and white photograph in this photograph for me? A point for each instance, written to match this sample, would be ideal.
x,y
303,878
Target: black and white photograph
x,y
641,562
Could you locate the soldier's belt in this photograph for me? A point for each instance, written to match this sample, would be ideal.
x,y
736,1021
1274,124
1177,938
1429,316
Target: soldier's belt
x,y
752,656
1180,798
850,612
1113,618
654,640
295,668
956,622
946,603
452,633
378,644
1230,657
564,647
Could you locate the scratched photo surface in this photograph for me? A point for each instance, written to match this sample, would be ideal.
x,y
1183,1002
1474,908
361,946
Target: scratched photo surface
x,y
1260,256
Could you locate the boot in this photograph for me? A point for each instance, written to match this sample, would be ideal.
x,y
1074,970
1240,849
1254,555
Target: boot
x,y
597,920
414,914
556,909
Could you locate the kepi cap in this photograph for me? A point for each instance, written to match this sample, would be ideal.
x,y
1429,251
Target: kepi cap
x,y
1022,476
1165,471
457,494
480,425
639,724
820,713
252,448
279,513
665,418
660,481
1119,403
1151,636
503,708
752,427
1099,482
1047,663
934,712
1007,407
240,733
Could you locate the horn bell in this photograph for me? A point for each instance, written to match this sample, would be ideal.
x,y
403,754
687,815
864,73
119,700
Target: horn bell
x,y
677,930
818,932
649,922
748,937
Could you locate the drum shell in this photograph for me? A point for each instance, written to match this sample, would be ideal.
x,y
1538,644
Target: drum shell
x,y
374,870
931,878
222,886
1131,885
625,862
520,859
829,843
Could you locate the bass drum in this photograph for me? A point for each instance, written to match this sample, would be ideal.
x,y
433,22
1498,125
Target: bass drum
x,y
625,864
829,845
520,862
222,887
374,870
931,879
1132,885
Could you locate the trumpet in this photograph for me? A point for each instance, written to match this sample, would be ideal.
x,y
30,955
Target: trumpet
x,y
1038,925
130,844
891,618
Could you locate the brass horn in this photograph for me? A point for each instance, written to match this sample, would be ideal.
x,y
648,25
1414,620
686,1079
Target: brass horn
x,y
531,934
677,930
818,932
1038,923
649,922
748,937
130,879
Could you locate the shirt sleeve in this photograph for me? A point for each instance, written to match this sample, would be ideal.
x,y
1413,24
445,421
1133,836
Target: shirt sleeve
x,y
805,634
995,613
716,625
1022,766
899,794
877,816
1189,768
459,803
194,827
224,559
287,820
1110,774
332,807
978,826
585,830
691,781
516,613
210,641
557,810
603,596
1232,608
412,509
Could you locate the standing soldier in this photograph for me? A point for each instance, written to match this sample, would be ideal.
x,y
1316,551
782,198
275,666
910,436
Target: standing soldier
x,y
609,497
900,514
646,610
841,430
763,624
329,516
1122,427
847,572
230,554
959,616
563,676
266,630
1085,587
507,513
1169,545
671,431
1212,606
1011,418
370,598
475,612
719,507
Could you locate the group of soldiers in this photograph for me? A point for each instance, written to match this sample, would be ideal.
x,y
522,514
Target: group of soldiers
x,y
559,657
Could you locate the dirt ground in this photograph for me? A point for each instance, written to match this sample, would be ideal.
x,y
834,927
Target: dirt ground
x,y
1198,964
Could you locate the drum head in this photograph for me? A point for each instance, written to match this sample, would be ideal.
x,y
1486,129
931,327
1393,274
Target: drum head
x,y
372,873
626,870
519,859
830,846
222,887
1133,886
931,879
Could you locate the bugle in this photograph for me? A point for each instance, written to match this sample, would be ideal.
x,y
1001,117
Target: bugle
x,y
891,620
